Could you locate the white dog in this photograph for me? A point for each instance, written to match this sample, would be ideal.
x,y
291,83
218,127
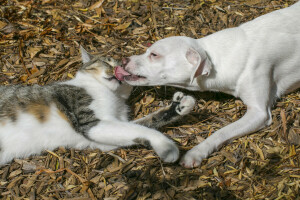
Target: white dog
x,y
257,62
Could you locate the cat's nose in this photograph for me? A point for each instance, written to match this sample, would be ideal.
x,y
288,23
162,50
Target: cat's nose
x,y
125,61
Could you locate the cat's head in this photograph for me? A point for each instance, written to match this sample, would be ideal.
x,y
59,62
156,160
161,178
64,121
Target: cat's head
x,y
100,68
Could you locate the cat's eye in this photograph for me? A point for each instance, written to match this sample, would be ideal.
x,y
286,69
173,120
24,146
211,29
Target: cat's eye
x,y
109,71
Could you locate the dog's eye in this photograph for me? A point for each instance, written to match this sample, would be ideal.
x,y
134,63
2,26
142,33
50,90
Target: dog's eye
x,y
153,54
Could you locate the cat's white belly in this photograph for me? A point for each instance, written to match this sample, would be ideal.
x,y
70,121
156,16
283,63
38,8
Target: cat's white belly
x,y
28,136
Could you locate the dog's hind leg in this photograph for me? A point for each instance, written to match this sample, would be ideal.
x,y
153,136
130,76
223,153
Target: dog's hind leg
x,y
259,99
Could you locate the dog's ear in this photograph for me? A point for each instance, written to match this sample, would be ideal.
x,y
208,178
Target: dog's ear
x,y
85,56
200,62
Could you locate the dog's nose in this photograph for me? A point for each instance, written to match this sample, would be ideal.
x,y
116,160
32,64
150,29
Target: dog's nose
x,y
125,61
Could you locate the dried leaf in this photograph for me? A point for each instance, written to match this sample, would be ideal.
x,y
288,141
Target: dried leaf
x,y
96,5
122,26
2,25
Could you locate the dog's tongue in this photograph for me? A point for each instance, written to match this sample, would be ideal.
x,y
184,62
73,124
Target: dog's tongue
x,y
120,73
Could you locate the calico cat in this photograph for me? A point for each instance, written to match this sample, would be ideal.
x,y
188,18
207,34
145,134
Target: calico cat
x,y
87,111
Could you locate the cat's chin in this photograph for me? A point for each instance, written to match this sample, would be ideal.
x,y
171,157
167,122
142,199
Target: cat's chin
x,y
114,79
112,83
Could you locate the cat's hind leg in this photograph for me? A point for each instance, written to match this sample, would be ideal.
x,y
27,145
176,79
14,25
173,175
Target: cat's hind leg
x,y
121,134
181,105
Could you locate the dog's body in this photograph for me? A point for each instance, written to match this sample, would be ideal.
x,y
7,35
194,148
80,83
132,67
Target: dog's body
x,y
257,62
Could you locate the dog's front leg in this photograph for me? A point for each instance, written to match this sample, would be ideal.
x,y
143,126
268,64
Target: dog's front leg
x,y
253,120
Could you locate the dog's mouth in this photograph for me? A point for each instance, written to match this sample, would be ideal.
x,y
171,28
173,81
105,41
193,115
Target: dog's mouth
x,y
121,74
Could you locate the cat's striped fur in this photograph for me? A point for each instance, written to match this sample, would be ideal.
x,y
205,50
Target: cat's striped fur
x,y
87,111
72,103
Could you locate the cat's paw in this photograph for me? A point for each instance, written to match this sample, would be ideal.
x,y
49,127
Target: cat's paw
x,y
163,146
185,104
167,151
177,97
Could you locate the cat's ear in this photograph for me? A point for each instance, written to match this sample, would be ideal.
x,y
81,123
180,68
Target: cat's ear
x,y
85,56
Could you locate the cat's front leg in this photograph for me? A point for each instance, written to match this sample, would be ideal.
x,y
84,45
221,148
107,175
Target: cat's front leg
x,y
121,134
181,105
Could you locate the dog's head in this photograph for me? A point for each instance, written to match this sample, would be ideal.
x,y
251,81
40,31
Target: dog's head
x,y
175,61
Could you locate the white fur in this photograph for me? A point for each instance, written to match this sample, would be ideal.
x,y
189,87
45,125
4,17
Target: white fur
x,y
257,62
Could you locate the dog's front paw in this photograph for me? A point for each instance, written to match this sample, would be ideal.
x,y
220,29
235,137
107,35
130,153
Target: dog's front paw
x,y
184,104
194,157
167,151
190,160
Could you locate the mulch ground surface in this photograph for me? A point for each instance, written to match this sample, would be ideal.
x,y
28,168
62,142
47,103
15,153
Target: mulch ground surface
x,y
39,44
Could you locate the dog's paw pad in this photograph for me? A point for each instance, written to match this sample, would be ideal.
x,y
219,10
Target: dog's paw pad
x,y
177,97
191,160
192,163
186,105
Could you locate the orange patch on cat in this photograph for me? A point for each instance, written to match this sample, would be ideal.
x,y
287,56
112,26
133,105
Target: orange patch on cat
x,y
39,111
94,69
63,116
98,70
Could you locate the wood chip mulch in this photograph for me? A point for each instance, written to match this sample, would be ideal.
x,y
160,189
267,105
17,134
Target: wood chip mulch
x,y
39,42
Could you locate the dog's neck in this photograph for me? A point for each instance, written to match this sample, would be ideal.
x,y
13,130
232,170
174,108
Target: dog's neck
x,y
220,78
